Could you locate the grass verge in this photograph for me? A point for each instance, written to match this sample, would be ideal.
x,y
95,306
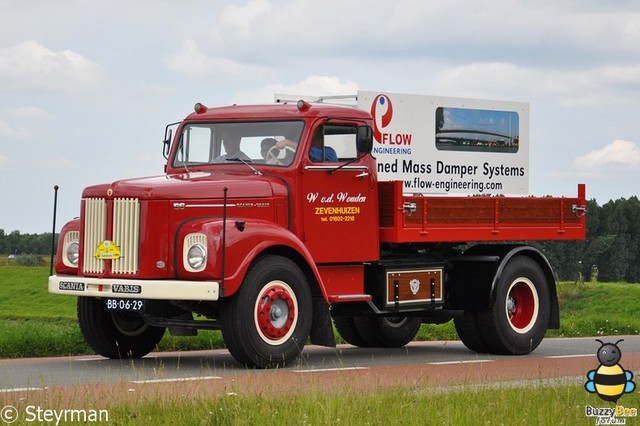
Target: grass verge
x,y
405,407
534,403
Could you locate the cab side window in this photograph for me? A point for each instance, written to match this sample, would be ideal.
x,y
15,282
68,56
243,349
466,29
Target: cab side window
x,y
332,143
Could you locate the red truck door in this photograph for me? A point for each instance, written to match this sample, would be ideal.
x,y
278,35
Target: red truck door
x,y
340,204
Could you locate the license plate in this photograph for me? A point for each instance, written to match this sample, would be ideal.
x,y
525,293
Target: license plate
x,y
127,305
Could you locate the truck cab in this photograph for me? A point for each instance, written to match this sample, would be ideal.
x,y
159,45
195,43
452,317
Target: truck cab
x,y
243,185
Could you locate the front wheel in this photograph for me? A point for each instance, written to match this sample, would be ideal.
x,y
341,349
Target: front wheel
x,y
267,322
114,334
518,319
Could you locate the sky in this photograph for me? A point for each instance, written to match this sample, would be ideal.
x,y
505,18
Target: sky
x,y
87,87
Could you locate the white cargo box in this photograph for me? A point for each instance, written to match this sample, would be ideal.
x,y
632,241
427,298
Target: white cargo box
x,y
442,145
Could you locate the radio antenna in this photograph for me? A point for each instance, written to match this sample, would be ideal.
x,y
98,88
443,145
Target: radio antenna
x,y
53,229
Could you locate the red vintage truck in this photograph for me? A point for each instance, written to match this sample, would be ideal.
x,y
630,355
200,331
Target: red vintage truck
x,y
270,224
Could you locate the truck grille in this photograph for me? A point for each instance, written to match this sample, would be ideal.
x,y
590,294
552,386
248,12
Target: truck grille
x,y
125,234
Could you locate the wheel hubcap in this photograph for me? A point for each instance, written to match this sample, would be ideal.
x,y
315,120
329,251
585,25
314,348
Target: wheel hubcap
x,y
275,312
279,313
522,305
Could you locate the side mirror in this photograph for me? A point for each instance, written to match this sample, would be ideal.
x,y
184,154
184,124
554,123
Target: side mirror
x,y
168,137
167,144
364,139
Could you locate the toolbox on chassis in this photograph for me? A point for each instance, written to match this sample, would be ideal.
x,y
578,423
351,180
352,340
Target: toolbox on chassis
x,y
270,222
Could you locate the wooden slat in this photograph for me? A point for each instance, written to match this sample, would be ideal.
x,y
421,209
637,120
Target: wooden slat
x,y
443,218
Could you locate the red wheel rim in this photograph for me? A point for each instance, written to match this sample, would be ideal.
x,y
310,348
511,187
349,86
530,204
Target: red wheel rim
x,y
522,305
275,312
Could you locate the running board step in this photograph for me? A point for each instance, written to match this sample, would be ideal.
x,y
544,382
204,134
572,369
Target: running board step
x,y
342,298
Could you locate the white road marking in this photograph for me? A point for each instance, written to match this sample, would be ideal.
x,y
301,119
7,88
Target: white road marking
x,y
323,370
177,379
20,390
107,359
460,362
570,356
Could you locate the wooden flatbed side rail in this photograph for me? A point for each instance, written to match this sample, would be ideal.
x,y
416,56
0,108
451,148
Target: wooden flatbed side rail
x,y
418,218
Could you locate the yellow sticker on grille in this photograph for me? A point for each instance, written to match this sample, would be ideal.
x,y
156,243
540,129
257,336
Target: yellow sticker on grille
x,y
107,250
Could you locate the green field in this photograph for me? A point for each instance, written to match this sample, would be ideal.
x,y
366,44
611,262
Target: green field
x,y
35,323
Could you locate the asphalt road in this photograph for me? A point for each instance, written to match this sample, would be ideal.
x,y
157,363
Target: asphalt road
x,y
558,357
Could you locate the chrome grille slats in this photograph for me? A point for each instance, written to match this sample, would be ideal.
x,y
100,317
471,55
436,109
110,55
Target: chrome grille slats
x,y
125,234
95,225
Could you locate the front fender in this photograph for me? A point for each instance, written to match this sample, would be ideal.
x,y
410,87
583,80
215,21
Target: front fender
x,y
244,239
61,265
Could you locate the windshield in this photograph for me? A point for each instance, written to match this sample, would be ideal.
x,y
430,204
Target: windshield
x,y
273,142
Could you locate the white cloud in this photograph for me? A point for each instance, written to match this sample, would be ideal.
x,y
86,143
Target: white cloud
x,y
550,32
617,153
14,132
152,90
315,85
20,122
57,163
32,66
7,163
27,113
282,29
192,62
239,20
606,30
598,86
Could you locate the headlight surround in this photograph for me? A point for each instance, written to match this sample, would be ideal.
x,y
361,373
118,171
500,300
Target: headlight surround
x,y
71,254
195,252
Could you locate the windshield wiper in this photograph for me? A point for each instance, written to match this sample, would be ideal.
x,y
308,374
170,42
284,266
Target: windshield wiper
x,y
353,160
247,162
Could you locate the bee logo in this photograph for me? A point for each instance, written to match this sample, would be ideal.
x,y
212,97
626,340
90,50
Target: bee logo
x,y
609,381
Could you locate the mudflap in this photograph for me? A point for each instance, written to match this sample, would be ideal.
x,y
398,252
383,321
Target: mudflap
x,y
322,327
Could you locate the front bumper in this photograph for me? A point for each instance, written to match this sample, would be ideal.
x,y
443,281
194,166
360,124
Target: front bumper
x,y
134,289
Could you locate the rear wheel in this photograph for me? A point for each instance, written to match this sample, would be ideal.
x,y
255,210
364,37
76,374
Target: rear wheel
x,y
518,320
378,332
115,334
347,329
469,332
389,332
267,322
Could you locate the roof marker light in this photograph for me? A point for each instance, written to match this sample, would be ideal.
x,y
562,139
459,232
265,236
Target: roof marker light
x,y
303,105
200,108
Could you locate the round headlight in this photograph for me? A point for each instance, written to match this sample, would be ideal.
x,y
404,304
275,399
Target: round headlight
x,y
73,252
197,256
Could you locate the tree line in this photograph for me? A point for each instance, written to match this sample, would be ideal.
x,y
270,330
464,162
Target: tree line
x,y
611,251
16,243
